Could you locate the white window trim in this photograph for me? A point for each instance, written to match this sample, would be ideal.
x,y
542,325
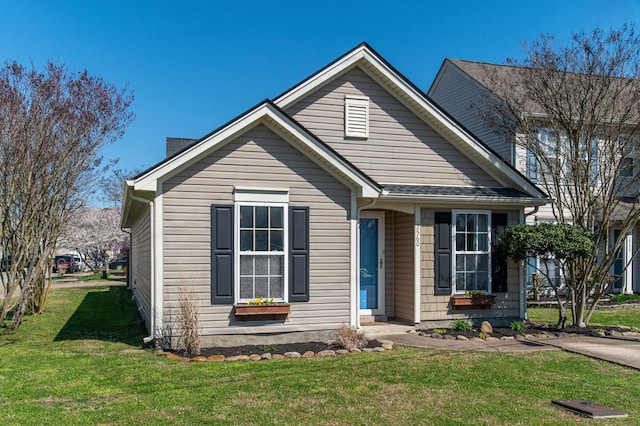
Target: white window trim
x,y
285,251
357,102
562,155
260,195
454,277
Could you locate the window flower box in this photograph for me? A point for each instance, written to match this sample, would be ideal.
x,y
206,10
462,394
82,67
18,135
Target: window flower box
x,y
472,302
262,312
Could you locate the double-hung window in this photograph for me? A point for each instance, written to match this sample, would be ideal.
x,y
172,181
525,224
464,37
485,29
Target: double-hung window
x,y
551,153
261,255
471,238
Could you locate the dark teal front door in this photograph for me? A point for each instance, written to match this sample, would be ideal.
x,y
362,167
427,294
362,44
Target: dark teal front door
x,y
371,263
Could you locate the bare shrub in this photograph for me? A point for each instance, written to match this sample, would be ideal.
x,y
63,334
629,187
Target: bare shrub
x,y
349,338
187,313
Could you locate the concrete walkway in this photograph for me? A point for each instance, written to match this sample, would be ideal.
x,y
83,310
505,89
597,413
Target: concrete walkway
x,y
92,283
75,281
619,350
624,351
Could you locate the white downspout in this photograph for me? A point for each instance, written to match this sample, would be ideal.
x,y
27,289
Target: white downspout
x,y
152,326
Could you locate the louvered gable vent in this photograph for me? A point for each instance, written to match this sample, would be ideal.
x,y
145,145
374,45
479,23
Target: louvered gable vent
x,y
356,117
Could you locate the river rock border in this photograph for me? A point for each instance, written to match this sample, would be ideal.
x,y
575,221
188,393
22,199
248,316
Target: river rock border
x,y
486,328
385,345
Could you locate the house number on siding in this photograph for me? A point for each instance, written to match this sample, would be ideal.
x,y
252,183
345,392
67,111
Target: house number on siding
x,y
417,236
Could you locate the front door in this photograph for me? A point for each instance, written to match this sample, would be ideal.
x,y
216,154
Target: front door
x,y
618,266
372,263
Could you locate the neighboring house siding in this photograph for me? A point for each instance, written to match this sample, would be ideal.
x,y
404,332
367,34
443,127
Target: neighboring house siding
x,y
400,148
461,97
141,261
436,308
259,158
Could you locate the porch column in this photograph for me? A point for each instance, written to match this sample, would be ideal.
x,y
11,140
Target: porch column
x,y
628,261
354,318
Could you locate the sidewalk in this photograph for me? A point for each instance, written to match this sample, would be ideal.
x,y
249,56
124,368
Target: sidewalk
x,y
619,350
76,280
92,283
624,351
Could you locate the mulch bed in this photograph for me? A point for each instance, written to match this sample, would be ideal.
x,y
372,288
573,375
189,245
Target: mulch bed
x,y
531,328
282,348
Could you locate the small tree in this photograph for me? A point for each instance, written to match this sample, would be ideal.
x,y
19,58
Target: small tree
x,y
574,109
565,243
94,232
53,125
111,185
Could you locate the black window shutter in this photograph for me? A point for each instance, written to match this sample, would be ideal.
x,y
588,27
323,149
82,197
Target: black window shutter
x,y
222,254
443,253
498,258
298,254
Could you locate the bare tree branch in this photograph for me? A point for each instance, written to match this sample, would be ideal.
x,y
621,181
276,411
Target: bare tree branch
x,y
576,109
53,124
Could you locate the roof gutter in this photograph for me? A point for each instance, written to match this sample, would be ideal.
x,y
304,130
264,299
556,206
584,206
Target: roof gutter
x,y
466,199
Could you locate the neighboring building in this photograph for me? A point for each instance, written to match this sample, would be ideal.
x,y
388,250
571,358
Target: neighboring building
x,y
350,197
461,89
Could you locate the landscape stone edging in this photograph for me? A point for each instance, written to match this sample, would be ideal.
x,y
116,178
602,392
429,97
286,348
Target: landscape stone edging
x,y
385,345
554,304
543,335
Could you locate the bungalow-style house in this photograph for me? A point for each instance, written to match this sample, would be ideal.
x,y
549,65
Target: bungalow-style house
x,y
461,88
349,198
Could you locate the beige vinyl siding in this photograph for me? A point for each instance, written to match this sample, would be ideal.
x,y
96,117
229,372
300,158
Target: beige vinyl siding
x,y
461,97
259,158
141,265
400,148
403,281
436,308
389,269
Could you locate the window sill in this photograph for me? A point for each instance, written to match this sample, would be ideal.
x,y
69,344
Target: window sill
x,y
472,302
244,312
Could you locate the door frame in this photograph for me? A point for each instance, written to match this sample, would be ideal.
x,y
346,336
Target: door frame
x,y
379,215
626,253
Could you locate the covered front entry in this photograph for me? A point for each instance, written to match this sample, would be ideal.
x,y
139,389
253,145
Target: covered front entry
x,y
387,278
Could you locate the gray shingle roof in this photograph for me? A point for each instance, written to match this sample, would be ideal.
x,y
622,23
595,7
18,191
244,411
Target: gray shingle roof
x,y
464,191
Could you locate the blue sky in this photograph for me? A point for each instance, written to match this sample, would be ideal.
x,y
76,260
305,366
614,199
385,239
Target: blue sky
x,y
193,65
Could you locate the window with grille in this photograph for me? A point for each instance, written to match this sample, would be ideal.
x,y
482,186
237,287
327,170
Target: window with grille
x,y
261,255
472,249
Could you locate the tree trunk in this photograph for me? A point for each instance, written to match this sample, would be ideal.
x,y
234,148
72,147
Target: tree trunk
x,y
578,316
562,312
21,308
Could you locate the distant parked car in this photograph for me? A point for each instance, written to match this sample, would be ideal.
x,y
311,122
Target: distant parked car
x,y
118,264
69,262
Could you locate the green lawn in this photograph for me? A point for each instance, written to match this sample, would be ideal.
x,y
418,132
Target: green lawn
x,y
82,362
603,316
